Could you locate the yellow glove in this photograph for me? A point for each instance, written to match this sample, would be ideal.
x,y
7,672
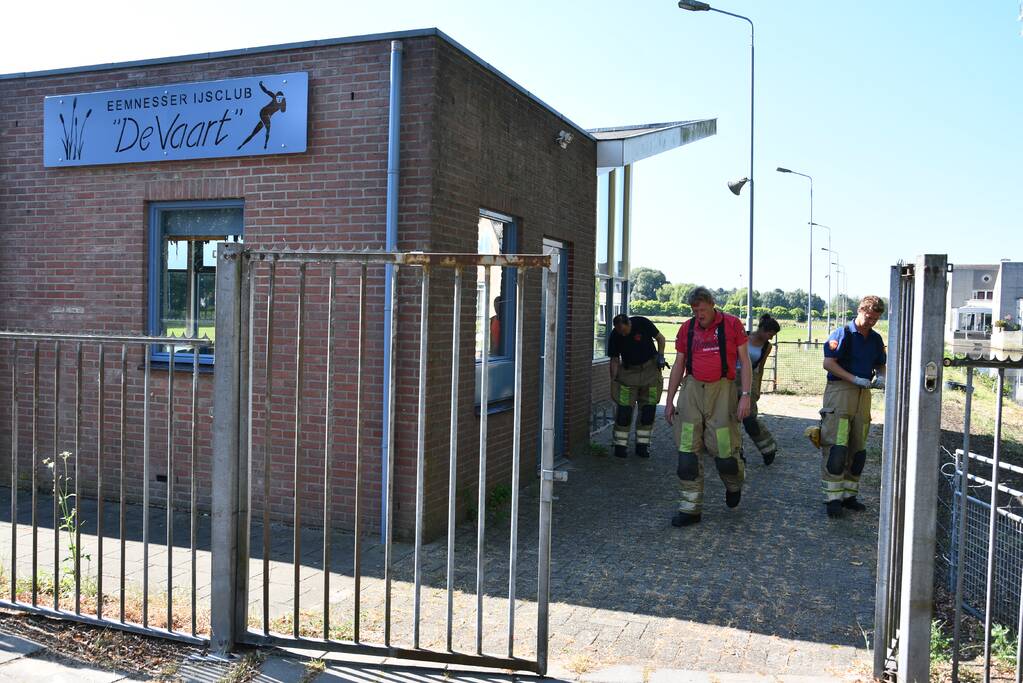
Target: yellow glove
x,y
814,435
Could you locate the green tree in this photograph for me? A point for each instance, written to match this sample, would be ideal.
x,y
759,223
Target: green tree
x,y
738,298
780,312
798,314
773,298
645,282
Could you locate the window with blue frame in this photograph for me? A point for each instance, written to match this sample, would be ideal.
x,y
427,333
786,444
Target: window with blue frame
x,y
497,235
183,240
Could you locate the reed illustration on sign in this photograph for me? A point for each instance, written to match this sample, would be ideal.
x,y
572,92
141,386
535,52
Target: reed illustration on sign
x,y
73,138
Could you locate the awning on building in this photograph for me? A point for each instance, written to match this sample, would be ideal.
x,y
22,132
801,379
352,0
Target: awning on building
x,y
628,144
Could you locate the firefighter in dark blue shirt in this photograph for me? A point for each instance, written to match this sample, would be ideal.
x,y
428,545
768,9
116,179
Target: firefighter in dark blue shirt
x,y
854,357
635,379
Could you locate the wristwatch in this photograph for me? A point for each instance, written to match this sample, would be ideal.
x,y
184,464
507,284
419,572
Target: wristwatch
x,y
745,393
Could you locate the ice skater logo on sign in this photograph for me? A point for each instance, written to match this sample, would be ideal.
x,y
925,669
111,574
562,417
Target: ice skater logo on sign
x,y
186,121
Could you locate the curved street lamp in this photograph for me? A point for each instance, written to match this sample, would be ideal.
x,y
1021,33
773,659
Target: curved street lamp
x,y
809,291
736,185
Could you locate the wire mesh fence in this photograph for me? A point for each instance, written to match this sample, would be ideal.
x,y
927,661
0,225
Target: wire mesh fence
x,y
795,368
971,558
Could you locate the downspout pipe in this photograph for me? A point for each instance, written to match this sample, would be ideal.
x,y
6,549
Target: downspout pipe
x,y
391,244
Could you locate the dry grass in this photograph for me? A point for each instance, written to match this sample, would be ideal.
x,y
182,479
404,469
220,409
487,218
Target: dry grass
x,y
181,616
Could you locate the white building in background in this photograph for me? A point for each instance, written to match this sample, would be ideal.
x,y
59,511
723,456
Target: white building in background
x,y
979,295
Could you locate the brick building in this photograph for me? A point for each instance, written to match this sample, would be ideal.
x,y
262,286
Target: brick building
x,y
123,241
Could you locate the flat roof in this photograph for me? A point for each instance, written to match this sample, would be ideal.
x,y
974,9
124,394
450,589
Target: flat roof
x,y
623,145
369,38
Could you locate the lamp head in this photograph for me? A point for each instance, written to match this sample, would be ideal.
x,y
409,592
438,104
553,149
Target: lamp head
x,y
693,5
783,170
736,185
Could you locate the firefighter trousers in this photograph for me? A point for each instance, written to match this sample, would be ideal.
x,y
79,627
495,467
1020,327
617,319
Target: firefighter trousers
x,y
706,422
638,386
845,425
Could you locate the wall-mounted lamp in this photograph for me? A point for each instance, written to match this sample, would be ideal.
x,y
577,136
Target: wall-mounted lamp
x,y
564,139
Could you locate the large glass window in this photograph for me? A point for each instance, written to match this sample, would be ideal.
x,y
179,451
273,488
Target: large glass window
x,y
183,270
610,295
496,235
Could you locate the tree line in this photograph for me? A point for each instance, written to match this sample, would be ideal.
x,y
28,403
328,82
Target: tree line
x,y
652,294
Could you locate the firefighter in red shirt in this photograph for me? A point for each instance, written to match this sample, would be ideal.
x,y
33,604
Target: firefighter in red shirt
x,y
709,409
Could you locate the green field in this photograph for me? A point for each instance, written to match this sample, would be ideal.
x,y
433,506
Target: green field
x,y
794,368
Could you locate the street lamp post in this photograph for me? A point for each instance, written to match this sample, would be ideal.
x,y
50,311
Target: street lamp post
x,y
809,291
832,252
828,228
736,186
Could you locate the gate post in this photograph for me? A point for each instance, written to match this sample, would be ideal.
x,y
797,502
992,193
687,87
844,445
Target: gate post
x,y
227,452
922,466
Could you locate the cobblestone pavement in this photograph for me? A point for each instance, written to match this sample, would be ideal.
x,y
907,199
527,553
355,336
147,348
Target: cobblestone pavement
x,y
771,587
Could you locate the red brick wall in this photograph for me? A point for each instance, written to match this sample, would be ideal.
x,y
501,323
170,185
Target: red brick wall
x,y
496,150
73,257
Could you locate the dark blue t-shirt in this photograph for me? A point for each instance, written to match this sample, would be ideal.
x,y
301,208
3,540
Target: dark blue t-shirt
x,y
856,354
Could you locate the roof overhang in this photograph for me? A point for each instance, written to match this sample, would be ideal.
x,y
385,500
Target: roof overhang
x,y
628,144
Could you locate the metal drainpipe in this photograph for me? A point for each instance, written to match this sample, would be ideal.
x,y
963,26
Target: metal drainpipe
x,y
391,244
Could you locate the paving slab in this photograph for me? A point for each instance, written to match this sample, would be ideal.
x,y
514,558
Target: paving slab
x,y
13,647
54,671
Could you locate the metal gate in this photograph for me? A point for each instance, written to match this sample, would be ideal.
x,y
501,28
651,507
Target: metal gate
x,y
909,476
293,411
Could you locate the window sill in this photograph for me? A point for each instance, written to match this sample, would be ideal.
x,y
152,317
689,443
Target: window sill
x,y
601,361
185,366
494,407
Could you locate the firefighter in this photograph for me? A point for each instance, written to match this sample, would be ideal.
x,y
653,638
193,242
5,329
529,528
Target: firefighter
x,y
759,348
709,409
635,379
854,357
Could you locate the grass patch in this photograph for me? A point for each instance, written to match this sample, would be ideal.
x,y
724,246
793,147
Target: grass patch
x,y
246,669
598,450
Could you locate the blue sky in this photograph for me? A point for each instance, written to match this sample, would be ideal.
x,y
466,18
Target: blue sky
x,y
908,114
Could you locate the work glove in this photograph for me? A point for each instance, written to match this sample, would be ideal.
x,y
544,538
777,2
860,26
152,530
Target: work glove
x,y
661,363
862,382
878,383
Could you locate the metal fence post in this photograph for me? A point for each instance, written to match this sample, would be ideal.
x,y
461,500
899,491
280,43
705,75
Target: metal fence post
x,y
886,531
227,453
922,469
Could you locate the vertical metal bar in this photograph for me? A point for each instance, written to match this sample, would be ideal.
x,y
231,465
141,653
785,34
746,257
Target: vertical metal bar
x,y
424,311
35,466
357,560
297,539
145,485
328,447
550,367
389,478
170,489
886,536
923,450
992,526
14,471
267,407
481,499
1019,639
961,529
99,482
121,469
246,480
58,478
193,514
513,551
78,488
456,327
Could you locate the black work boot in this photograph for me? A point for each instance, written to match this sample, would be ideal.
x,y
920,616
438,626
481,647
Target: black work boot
x,y
684,519
769,457
621,451
853,504
732,498
834,508
642,450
